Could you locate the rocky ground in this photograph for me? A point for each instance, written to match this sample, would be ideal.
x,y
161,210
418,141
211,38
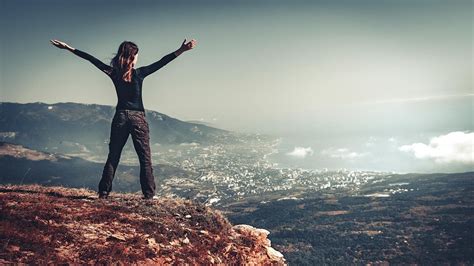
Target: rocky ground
x,y
63,225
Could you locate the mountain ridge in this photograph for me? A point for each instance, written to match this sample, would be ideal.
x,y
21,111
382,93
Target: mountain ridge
x,y
69,127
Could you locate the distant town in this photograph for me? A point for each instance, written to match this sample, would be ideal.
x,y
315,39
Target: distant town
x,y
239,167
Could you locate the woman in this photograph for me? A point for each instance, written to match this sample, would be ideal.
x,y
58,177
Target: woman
x,y
129,115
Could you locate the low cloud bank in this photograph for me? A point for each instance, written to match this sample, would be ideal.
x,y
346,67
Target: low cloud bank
x,y
452,147
301,152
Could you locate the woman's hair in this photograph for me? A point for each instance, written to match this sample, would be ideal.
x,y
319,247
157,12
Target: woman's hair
x,y
122,61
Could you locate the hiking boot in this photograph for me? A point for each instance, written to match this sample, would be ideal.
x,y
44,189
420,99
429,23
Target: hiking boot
x,y
103,195
151,197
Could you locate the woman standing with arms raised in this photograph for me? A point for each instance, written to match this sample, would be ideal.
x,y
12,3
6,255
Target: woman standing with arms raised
x,y
129,118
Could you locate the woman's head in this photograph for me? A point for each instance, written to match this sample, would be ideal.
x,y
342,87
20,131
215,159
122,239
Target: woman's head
x,y
125,59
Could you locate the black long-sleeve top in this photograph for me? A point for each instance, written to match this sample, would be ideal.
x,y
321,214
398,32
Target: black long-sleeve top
x,y
129,93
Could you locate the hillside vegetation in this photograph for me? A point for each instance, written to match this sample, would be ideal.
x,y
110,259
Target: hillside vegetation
x,y
65,225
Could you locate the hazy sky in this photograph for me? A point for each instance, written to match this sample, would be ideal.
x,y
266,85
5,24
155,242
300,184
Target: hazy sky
x,y
296,68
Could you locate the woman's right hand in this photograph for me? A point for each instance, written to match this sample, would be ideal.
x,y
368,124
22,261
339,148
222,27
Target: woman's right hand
x,y
188,46
61,45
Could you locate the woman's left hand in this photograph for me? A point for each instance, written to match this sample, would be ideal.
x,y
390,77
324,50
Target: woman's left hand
x,y
61,45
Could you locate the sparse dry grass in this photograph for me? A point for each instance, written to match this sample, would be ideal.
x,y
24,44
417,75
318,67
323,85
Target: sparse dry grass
x,y
64,225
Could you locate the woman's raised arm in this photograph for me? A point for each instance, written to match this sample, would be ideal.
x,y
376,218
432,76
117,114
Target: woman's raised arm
x,y
147,70
96,62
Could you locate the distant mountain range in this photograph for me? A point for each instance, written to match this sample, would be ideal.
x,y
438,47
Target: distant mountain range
x,y
75,127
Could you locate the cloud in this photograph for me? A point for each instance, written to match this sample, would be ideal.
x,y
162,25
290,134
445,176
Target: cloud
x,y
342,153
301,152
453,147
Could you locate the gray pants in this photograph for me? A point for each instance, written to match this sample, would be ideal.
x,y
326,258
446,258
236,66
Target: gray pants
x,y
131,122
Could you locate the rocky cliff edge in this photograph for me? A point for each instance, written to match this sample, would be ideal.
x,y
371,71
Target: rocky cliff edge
x,y
65,225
